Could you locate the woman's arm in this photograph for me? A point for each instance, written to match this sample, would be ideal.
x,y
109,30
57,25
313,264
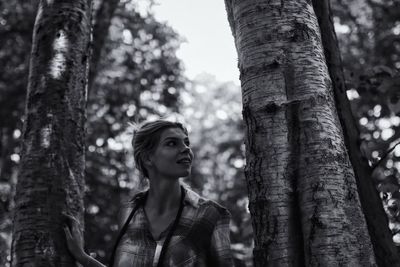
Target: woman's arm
x,y
74,239
220,249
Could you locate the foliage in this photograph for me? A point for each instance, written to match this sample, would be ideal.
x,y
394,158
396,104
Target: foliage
x,y
140,77
16,20
213,112
369,39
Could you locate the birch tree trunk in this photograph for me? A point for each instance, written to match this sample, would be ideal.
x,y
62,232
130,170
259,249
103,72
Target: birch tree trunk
x,y
303,195
52,159
377,222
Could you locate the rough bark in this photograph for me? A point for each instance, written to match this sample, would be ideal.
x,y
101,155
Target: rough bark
x,y
378,225
51,178
302,191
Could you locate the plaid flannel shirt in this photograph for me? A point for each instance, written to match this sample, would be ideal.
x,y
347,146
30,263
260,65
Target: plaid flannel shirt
x,y
200,239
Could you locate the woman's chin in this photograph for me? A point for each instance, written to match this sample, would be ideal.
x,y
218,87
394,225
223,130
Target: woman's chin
x,y
185,174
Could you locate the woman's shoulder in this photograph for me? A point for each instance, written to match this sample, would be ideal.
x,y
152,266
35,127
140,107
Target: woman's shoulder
x,y
127,206
204,205
136,198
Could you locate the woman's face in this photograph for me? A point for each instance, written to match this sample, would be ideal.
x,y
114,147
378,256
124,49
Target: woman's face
x,y
173,156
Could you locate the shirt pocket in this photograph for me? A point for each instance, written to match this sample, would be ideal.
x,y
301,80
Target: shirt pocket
x,y
127,257
190,262
123,259
180,253
175,239
132,248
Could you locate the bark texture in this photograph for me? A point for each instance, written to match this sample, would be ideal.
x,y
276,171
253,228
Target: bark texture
x,y
303,195
51,178
378,225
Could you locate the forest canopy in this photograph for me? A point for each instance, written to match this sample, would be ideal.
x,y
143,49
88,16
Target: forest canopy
x,y
138,76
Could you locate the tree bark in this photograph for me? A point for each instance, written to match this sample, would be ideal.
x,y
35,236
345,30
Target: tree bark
x,y
378,225
302,191
51,178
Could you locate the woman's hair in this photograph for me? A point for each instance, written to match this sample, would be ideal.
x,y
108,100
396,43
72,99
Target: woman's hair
x,y
146,138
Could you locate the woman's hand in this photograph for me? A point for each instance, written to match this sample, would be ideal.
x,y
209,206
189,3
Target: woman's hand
x,y
74,237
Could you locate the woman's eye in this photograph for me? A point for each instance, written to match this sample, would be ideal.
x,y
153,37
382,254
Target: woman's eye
x,y
171,143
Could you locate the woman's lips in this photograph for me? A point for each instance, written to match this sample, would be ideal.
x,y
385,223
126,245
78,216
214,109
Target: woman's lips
x,y
184,160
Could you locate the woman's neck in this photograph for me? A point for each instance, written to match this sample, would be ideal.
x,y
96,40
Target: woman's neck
x,y
164,195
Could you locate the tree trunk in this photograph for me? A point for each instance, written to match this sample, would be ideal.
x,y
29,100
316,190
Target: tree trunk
x,y
302,191
51,178
378,225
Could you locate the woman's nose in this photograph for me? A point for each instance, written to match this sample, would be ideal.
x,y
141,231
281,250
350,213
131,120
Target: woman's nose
x,y
185,148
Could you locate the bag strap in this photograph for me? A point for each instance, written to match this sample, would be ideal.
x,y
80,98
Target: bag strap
x,y
125,227
171,231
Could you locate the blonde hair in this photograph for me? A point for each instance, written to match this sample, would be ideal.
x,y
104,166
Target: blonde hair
x,y
146,137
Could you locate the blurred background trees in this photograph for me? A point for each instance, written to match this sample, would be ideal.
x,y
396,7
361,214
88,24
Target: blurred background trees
x,y
139,77
369,40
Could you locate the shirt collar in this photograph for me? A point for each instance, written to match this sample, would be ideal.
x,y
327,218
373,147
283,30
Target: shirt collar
x,y
191,197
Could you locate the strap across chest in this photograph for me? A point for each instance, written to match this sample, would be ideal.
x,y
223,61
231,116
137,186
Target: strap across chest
x,y
167,238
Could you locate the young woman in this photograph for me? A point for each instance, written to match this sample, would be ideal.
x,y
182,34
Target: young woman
x,y
167,225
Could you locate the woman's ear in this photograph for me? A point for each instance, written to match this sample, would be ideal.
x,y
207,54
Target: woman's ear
x,y
147,160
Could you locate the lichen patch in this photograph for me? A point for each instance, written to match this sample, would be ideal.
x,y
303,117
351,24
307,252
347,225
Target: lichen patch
x,y
60,47
45,136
